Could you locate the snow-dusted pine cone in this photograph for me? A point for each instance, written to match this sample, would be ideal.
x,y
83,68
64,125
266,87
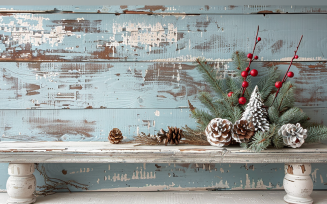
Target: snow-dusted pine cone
x,y
256,113
243,131
115,136
293,135
219,132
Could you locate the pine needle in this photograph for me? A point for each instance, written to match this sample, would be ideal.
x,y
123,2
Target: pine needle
x,y
316,134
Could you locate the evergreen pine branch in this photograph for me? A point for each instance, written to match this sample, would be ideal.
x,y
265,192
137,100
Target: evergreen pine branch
x,y
203,118
316,134
240,62
277,139
286,97
237,114
261,140
244,145
207,100
267,83
210,76
269,100
273,114
293,115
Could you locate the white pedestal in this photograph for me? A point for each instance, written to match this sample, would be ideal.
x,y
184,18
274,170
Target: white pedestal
x,y
21,184
298,184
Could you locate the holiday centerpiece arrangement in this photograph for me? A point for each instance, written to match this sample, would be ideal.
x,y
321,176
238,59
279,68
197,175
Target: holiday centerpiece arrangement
x,y
254,116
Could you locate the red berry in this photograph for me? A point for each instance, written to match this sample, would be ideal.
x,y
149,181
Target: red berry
x,y
256,57
244,74
250,55
245,84
247,69
290,74
254,72
230,94
259,38
296,56
279,84
242,100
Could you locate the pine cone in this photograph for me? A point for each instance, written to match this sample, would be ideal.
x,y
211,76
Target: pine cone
x,y
293,135
219,132
243,131
173,136
115,136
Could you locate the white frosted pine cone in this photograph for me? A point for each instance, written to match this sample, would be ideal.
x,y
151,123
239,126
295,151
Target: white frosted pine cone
x,y
219,132
293,135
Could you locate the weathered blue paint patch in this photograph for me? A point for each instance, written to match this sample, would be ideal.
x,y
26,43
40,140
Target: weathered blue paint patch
x,y
157,9
71,85
153,177
95,37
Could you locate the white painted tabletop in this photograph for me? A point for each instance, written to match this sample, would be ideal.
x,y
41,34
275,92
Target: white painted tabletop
x,y
104,152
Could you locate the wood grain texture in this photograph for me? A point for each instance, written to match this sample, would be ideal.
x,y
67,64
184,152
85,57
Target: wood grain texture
x,y
57,85
168,177
164,9
100,152
95,124
109,37
87,124
249,197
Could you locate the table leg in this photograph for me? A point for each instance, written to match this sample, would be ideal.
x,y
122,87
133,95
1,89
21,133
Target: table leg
x,y
21,184
298,183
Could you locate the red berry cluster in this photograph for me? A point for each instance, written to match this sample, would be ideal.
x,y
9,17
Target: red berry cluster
x,y
289,74
253,72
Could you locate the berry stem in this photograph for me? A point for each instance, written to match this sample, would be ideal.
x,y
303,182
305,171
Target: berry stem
x,y
285,76
251,60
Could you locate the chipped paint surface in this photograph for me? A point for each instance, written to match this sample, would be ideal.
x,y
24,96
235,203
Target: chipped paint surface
x,y
133,85
50,91
167,9
155,177
110,37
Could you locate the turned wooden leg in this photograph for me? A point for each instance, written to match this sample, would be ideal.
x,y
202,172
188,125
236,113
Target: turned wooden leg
x,y
298,183
21,184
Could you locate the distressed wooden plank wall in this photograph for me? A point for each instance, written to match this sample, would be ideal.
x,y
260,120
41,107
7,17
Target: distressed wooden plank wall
x,y
135,37
72,73
165,9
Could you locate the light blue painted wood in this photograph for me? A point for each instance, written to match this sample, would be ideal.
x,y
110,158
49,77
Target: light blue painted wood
x,y
153,177
95,124
109,37
163,9
57,85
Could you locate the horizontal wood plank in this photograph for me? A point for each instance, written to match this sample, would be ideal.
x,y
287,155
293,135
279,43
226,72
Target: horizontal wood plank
x,y
95,124
70,85
109,37
165,9
103,152
222,197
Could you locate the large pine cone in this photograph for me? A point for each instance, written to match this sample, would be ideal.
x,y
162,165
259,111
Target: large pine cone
x,y
243,131
173,136
115,136
293,135
219,132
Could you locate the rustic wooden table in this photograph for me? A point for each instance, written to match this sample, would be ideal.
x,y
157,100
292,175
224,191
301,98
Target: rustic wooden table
x,y
22,156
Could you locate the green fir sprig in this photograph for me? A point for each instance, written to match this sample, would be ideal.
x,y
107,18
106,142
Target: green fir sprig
x,y
283,111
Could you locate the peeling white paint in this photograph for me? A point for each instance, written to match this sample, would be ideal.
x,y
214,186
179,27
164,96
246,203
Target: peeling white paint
x,y
157,113
140,33
24,31
314,175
